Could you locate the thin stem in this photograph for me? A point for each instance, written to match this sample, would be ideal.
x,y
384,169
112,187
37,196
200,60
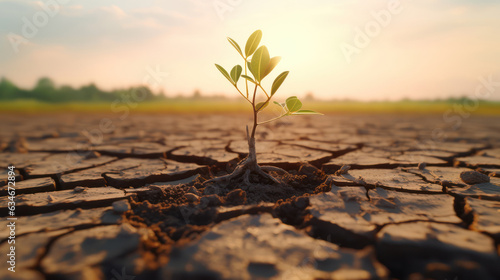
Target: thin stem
x,y
267,95
273,119
246,81
254,114
242,94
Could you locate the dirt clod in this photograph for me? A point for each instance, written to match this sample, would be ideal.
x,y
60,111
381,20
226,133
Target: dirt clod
x,y
236,197
121,206
343,170
192,197
422,165
291,211
474,177
193,190
308,169
79,189
211,200
92,154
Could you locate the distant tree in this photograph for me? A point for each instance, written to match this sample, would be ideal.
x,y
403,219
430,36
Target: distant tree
x,y
45,83
92,93
45,90
309,96
66,88
196,94
8,90
162,95
142,93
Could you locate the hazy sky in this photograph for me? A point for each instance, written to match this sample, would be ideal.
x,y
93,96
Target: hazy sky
x,y
366,50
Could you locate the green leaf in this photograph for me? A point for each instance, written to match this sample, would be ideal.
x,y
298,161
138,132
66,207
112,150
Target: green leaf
x,y
306,112
261,105
259,63
272,63
293,104
224,72
282,106
278,81
248,78
253,42
235,45
235,73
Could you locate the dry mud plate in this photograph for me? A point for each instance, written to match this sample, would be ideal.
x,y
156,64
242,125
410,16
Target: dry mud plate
x,y
129,201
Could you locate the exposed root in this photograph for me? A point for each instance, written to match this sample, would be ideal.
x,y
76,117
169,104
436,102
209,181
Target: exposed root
x,y
227,178
265,175
246,177
244,170
269,168
248,166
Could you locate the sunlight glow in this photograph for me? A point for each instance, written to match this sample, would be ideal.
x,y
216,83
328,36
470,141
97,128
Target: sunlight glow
x,y
114,43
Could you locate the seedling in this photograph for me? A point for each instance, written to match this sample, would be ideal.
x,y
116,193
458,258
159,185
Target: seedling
x,y
257,60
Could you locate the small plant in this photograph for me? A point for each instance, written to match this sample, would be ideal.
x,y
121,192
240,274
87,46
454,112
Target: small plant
x,y
257,60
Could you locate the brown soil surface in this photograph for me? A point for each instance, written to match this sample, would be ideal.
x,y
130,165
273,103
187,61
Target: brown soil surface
x,y
365,197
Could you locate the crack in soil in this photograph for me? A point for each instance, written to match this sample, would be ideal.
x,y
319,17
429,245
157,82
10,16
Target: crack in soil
x,y
179,214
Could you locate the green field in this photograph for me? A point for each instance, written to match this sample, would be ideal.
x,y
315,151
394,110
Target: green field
x,y
200,106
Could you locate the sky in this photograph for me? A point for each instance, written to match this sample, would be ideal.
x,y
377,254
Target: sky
x,y
361,50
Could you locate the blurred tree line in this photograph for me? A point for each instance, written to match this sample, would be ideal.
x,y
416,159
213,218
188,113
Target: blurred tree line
x,y
45,90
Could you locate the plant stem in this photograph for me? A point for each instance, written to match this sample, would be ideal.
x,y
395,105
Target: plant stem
x,y
246,82
242,94
254,114
267,95
273,119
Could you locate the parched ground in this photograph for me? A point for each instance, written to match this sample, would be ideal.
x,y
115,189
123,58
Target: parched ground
x,y
122,197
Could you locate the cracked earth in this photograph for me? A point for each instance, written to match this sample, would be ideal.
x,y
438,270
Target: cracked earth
x,y
366,197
